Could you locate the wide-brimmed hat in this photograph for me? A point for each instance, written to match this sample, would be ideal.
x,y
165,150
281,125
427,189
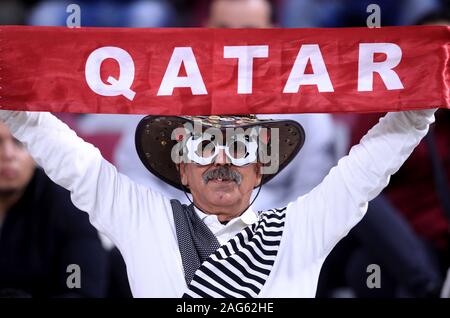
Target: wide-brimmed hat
x,y
154,140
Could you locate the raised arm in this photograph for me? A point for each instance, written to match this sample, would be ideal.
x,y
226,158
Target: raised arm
x,y
329,211
115,204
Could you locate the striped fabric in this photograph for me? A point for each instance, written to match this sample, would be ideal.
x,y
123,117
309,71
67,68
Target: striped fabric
x,y
240,268
195,240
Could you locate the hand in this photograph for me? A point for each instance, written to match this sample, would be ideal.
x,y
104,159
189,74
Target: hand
x,y
421,116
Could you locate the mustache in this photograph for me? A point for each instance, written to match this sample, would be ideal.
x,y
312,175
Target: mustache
x,y
223,173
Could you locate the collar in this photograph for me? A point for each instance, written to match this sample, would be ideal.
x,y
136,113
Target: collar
x,y
247,218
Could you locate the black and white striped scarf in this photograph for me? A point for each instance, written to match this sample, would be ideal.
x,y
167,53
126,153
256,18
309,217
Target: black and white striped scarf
x,y
240,267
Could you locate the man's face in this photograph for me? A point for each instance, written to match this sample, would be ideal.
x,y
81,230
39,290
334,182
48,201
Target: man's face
x,y
240,14
16,165
221,188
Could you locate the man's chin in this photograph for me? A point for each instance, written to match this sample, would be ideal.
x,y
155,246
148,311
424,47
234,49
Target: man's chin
x,y
7,191
223,203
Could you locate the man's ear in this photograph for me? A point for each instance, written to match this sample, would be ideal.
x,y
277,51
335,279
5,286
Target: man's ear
x,y
259,175
181,167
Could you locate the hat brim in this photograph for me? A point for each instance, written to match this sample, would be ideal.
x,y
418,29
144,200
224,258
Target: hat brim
x,y
154,144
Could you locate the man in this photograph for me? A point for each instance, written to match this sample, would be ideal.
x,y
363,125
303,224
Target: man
x,y
167,246
42,234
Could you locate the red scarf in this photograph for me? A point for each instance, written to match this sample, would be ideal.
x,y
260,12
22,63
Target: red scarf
x,y
223,71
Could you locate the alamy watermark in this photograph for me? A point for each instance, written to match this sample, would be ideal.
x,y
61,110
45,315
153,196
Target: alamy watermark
x,y
74,278
241,146
374,19
374,278
74,18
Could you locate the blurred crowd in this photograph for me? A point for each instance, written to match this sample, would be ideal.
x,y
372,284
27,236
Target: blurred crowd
x,y
194,13
405,232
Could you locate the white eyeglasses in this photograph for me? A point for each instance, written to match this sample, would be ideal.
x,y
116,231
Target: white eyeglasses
x,y
241,150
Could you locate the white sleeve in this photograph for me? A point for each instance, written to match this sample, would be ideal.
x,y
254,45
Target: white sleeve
x,y
116,205
322,217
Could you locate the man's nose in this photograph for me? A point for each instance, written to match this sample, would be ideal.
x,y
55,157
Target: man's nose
x,y
7,150
222,158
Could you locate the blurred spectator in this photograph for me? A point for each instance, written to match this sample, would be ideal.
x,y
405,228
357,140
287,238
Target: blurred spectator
x,y
201,10
42,233
240,14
